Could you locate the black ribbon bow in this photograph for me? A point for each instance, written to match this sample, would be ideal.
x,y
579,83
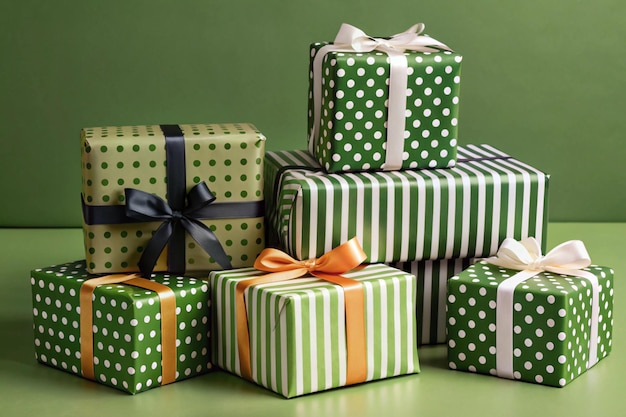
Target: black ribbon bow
x,y
146,207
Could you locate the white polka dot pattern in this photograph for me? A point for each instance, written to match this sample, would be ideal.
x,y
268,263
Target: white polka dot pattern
x,y
354,110
551,323
126,327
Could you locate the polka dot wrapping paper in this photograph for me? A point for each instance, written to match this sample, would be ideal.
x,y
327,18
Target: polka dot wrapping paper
x,y
227,157
126,327
431,292
409,215
298,328
355,106
551,323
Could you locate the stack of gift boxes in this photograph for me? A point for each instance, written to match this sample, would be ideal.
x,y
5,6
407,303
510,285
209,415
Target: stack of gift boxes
x,y
377,232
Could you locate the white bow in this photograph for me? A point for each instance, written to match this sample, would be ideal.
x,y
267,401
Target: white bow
x,y
568,258
353,39
526,255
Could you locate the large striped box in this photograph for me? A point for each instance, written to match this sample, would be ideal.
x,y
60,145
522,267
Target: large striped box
x,y
410,215
430,303
298,329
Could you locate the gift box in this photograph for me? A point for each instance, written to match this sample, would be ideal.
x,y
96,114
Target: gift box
x,y
431,292
126,332
535,325
383,103
301,335
172,197
409,215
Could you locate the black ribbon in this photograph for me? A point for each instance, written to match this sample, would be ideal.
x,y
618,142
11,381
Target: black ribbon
x,y
181,213
146,207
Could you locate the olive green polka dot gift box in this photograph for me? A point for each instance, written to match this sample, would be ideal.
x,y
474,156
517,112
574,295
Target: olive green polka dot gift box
x,y
172,197
523,316
383,103
119,333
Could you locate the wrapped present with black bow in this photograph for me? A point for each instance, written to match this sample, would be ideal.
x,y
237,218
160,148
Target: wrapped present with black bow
x,y
174,198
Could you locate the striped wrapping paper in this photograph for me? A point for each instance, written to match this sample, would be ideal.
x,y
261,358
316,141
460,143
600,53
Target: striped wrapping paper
x,y
409,215
432,284
298,330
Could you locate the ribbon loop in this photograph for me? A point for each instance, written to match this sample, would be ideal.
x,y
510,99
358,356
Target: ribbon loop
x,y
568,258
329,267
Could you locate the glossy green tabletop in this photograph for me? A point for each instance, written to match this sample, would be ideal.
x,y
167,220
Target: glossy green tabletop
x,y
30,389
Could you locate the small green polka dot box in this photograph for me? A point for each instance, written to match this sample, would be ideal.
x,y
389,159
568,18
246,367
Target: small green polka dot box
x,y
383,103
298,328
128,338
408,215
173,198
541,332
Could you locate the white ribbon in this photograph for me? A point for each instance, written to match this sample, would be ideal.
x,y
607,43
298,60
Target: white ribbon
x,y
568,258
352,39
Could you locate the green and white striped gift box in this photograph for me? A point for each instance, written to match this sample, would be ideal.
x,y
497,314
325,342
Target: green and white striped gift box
x,y
432,284
298,329
460,212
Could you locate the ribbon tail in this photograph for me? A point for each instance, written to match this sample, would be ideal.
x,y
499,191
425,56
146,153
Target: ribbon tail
x,y
154,248
207,241
176,250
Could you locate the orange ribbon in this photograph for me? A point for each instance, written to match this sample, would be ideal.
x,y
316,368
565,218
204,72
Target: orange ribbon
x,y
328,267
168,322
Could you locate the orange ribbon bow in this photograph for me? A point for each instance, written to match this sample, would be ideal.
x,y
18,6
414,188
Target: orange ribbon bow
x,y
167,299
329,267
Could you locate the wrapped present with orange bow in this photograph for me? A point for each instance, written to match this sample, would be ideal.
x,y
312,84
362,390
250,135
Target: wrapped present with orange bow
x,y
299,327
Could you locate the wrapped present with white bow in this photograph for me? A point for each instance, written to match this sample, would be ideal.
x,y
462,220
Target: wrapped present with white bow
x,y
523,316
383,103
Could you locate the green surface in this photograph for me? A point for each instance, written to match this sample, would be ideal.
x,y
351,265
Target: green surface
x,y
542,80
30,389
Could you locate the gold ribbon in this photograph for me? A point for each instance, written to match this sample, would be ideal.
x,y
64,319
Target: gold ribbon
x,y
167,299
329,267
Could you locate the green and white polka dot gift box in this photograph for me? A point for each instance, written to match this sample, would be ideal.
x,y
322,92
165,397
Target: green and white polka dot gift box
x,y
383,103
545,320
172,197
129,345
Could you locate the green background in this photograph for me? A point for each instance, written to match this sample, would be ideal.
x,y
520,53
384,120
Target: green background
x,y
542,80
